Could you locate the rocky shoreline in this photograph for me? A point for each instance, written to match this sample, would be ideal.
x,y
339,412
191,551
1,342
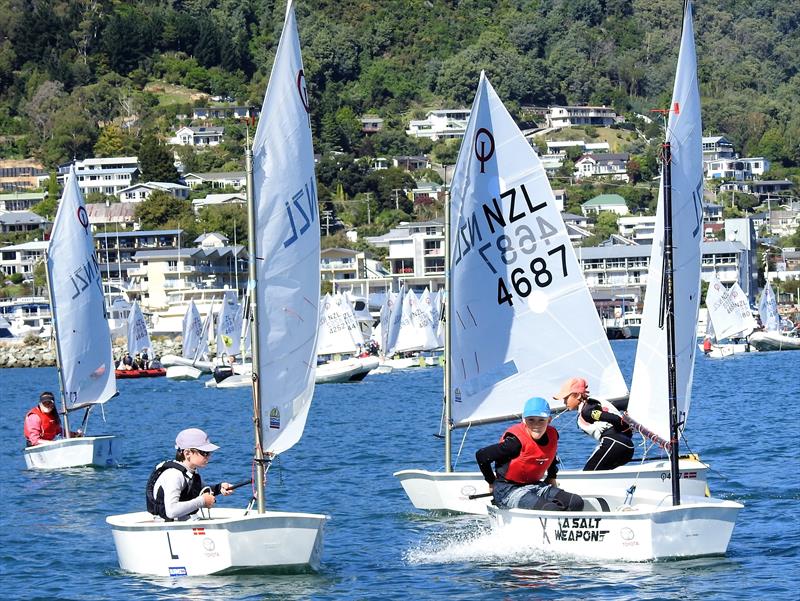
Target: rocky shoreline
x,y
34,352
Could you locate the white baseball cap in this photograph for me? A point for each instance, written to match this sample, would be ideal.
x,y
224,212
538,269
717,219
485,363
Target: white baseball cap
x,y
193,438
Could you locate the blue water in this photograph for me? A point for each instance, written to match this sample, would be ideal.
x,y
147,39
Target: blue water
x,y
55,544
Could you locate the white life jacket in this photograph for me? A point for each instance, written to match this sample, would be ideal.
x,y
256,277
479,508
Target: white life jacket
x,y
596,429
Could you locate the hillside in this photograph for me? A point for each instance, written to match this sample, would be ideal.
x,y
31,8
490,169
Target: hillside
x,y
67,65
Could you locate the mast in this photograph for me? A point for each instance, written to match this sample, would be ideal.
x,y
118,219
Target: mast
x,y
448,401
669,315
254,347
64,412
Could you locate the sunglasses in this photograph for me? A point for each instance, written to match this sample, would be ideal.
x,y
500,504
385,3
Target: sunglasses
x,y
203,453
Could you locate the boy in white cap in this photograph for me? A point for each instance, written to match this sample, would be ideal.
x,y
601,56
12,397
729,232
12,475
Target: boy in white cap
x,y
600,420
174,488
525,468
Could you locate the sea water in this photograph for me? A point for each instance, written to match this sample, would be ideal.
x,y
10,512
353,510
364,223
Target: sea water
x,y
55,544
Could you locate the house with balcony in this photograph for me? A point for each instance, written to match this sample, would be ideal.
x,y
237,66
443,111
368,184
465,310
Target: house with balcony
x,y
442,124
416,253
717,148
354,271
613,165
610,269
22,174
160,274
116,250
22,258
762,189
102,180
142,191
561,146
197,136
570,116
613,203
20,201
217,179
639,228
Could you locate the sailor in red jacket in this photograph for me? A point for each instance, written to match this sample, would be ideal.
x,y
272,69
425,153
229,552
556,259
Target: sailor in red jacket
x,y
42,422
525,464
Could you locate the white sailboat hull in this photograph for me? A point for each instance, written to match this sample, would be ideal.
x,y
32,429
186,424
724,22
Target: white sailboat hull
x,y
346,370
86,451
720,351
647,531
450,491
232,540
183,372
170,360
774,341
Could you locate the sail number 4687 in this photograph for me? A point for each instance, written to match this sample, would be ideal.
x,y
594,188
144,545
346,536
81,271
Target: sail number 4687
x,y
538,273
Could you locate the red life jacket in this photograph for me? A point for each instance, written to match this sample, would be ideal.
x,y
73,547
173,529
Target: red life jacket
x,y
707,345
51,424
530,466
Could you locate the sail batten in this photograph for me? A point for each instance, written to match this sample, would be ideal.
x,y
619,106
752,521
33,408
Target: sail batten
x,y
76,300
514,279
288,248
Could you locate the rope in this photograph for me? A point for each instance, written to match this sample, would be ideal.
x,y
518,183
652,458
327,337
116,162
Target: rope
x,y
461,446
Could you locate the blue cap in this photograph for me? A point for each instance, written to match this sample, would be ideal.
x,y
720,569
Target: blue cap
x,y
536,407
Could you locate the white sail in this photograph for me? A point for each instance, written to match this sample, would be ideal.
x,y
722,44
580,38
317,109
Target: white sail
x,y
229,325
768,310
395,304
138,338
742,304
338,328
192,332
725,310
522,318
417,331
431,304
288,244
76,299
649,388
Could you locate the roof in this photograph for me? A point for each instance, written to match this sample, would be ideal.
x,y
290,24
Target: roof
x,y
23,196
217,175
605,199
11,217
139,233
189,253
35,245
643,250
217,235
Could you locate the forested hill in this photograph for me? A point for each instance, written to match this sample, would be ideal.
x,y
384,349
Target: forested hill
x,y
66,66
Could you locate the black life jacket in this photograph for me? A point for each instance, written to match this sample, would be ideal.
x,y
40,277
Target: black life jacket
x,y
191,488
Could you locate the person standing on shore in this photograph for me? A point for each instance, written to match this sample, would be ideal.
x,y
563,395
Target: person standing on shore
x,y
525,468
600,420
43,423
175,490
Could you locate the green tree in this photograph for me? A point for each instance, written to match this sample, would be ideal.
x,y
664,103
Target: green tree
x,y
156,161
161,210
228,219
111,142
606,224
47,207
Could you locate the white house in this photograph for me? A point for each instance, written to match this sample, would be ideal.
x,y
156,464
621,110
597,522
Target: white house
x,y
22,258
613,165
716,148
218,199
211,240
218,179
441,124
568,116
142,191
561,146
639,228
197,136
613,203
102,180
